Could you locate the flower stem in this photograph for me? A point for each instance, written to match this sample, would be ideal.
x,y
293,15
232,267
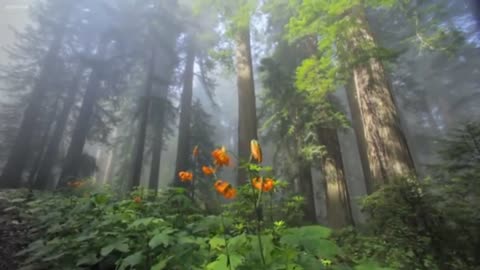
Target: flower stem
x,y
229,264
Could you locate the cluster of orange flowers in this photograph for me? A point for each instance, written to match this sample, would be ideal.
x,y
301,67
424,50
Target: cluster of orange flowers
x,y
185,176
221,158
76,184
262,184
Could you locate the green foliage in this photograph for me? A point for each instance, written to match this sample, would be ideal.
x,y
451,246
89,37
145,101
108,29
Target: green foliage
x,y
99,230
431,224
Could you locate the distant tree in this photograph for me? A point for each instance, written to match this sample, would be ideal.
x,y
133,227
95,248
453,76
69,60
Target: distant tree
x,y
183,148
53,18
236,17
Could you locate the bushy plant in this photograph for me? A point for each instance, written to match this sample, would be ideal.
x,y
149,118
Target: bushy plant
x,y
429,224
79,228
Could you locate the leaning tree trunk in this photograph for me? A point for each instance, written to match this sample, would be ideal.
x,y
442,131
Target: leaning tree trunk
x,y
158,130
247,116
339,213
142,129
21,150
44,177
381,139
42,144
82,126
183,148
306,188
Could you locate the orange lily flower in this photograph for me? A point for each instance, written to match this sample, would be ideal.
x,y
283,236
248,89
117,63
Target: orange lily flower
x,y
220,157
225,189
137,199
207,170
185,176
256,151
265,185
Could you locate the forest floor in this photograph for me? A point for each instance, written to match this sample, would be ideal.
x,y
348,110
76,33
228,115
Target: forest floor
x,y
13,233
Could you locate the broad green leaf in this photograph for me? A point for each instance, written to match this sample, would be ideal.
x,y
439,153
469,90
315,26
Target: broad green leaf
x,y
120,246
217,242
89,259
39,244
221,263
142,221
131,260
161,264
312,239
159,239
54,257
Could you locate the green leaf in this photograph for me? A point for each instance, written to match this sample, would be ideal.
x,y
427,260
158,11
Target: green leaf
x,y
159,239
142,221
39,244
312,239
221,263
161,264
53,257
217,242
89,259
121,246
132,260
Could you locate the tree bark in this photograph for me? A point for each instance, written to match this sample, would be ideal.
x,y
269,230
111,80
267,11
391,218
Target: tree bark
x,y
339,213
247,116
82,126
44,178
142,129
12,172
42,145
382,140
184,132
158,127
305,184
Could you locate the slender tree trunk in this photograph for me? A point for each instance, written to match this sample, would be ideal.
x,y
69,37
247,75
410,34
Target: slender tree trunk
x,y
44,177
380,135
142,129
82,127
158,127
43,145
184,132
306,188
247,116
108,167
339,213
12,172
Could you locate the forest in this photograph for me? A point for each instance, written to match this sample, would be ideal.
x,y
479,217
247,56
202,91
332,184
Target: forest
x,y
241,135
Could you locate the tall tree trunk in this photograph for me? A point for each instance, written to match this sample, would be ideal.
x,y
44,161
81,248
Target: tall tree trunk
x,y
21,150
142,129
381,138
247,116
43,145
158,128
339,213
184,132
44,178
82,126
306,188
108,167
